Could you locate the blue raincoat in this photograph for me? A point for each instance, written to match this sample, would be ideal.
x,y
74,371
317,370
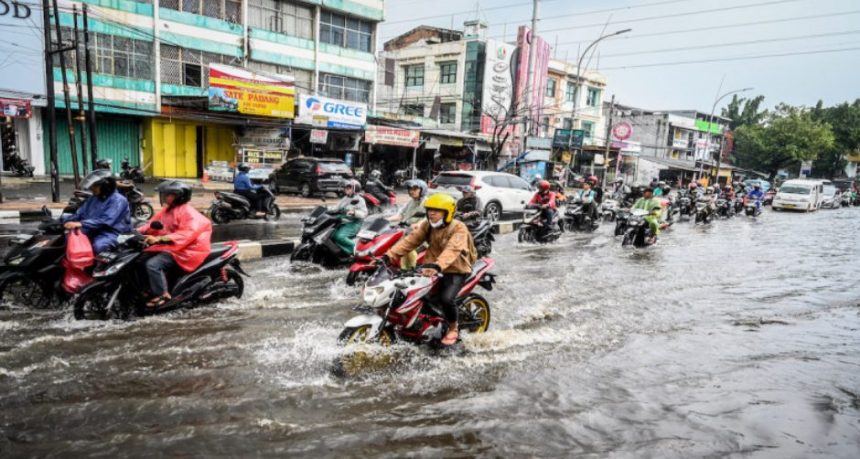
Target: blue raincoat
x,y
102,220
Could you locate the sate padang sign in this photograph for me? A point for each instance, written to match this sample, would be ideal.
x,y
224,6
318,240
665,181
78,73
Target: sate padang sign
x,y
23,73
235,89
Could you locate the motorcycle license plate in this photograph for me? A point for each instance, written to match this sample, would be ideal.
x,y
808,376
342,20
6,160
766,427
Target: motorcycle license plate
x,y
366,234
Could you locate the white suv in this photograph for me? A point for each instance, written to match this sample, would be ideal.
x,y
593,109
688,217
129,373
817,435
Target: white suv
x,y
499,192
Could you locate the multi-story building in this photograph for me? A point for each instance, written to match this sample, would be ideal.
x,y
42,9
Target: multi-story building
x,y
561,97
151,67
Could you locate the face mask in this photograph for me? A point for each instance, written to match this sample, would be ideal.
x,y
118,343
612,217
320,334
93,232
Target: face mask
x,y
437,224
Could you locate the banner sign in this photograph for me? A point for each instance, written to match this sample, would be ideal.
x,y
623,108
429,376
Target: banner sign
x,y
391,136
539,142
498,87
235,89
319,136
568,137
16,108
319,111
526,41
622,131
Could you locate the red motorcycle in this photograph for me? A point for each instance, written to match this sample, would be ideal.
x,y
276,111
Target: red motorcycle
x,y
375,206
374,239
400,305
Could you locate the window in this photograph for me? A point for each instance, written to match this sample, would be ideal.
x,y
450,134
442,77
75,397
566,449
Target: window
x,y
544,127
188,67
304,78
118,56
228,10
339,87
282,17
414,75
414,109
570,93
448,72
448,113
567,123
550,87
588,127
593,98
346,32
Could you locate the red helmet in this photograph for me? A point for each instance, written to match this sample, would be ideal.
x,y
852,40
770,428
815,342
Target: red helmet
x,y
543,186
593,179
693,185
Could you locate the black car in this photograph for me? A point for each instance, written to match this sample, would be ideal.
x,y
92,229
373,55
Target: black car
x,y
309,176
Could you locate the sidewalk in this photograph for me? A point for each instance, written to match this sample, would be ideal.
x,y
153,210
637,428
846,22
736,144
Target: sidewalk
x,y
21,194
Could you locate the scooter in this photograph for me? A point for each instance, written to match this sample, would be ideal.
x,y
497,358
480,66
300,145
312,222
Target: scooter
x,y
32,270
316,244
134,174
533,230
704,213
482,235
685,206
399,306
576,219
375,206
375,238
18,165
609,210
725,209
232,206
635,229
752,208
139,205
118,283
846,199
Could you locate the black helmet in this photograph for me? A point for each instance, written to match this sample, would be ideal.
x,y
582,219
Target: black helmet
x,y
104,163
243,167
177,188
101,177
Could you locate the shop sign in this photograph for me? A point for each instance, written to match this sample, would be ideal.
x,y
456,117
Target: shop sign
x,y
679,143
319,111
239,90
544,143
622,131
564,138
15,108
628,146
713,128
319,136
23,70
391,136
526,43
682,121
498,87
265,137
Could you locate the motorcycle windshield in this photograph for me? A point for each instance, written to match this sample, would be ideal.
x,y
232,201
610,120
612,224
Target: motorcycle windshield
x,y
317,212
380,276
375,225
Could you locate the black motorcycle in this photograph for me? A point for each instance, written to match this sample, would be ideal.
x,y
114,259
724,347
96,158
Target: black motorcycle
x,y
576,218
119,283
138,204
317,245
534,231
232,206
609,210
482,235
32,271
704,213
134,174
635,229
725,208
18,165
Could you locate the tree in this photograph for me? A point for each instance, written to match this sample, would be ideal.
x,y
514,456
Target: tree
x,y
789,136
845,121
745,112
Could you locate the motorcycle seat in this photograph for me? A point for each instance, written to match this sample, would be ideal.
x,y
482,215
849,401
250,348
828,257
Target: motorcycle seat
x,y
217,251
476,268
236,198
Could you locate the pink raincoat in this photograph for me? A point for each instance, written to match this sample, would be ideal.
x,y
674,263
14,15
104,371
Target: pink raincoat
x,y
189,232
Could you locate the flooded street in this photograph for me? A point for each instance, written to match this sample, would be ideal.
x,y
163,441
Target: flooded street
x,y
737,338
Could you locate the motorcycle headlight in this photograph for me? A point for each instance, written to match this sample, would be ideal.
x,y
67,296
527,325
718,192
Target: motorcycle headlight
x,y
371,295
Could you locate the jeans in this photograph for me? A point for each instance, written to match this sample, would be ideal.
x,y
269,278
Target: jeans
x,y
157,268
448,290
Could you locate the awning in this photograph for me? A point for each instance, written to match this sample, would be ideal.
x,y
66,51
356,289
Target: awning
x,y
678,164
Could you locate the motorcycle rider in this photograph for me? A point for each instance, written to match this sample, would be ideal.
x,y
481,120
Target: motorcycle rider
x,y
182,242
757,194
658,190
413,211
649,203
620,190
598,191
375,187
353,211
544,199
588,197
469,206
451,252
242,186
103,163
105,215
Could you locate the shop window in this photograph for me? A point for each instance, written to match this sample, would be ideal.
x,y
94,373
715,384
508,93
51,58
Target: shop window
x,y
414,109
593,98
447,113
448,72
304,78
414,76
570,93
114,55
567,123
228,10
346,88
550,87
346,32
189,67
282,17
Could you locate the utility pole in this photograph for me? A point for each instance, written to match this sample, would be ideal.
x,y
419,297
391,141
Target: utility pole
x,y
530,76
82,117
61,50
51,108
608,138
711,121
91,118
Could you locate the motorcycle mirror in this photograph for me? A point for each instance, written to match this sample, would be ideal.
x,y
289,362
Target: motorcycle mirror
x,y
157,225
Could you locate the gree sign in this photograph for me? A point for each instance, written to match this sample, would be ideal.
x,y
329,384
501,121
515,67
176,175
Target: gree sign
x,y
319,111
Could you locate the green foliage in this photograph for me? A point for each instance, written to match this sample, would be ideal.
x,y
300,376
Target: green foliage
x,y
744,112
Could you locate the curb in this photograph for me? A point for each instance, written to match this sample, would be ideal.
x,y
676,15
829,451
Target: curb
x,y
253,250
506,227
18,216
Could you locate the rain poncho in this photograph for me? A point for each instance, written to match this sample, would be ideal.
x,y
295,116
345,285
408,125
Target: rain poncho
x,y
344,236
189,233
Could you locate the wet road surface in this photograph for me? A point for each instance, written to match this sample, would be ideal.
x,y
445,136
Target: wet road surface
x,y
740,338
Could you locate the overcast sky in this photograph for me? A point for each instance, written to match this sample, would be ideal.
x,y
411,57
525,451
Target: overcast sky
x,y
799,79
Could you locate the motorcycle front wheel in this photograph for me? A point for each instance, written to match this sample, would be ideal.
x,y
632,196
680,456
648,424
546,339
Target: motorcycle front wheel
x,y
92,305
143,211
20,290
354,361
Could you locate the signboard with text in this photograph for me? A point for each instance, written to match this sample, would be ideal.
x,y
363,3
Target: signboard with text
x,y
234,89
392,136
319,111
498,84
564,138
15,108
319,136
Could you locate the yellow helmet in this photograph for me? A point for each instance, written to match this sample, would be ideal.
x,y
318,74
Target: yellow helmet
x,y
443,202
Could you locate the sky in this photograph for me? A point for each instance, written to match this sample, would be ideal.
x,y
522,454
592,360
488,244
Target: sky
x,y
643,66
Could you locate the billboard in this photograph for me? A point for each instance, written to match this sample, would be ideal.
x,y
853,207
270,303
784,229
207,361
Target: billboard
x,y
23,72
234,89
498,87
391,136
319,111
538,89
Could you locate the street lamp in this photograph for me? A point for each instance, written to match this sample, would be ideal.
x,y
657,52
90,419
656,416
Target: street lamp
x,y
578,86
711,121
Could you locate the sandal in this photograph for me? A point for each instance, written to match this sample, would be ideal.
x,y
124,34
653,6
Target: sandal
x,y
451,337
158,301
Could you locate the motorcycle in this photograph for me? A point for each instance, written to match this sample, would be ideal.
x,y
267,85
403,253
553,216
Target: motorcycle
x,y
139,205
533,229
751,208
739,204
232,206
374,239
32,270
704,213
482,235
18,165
375,206
403,175
725,208
609,210
400,306
134,174
577,219
635,229
118,282
316,244
846,199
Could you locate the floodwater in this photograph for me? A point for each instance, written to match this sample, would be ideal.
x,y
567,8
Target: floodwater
x,y
741,338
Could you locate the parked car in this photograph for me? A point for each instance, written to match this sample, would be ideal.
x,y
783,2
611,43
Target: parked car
x,y
831,198
802,195
309,176
499,192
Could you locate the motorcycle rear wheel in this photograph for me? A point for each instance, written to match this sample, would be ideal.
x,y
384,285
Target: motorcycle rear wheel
x,y
218,215
273,213
476,309
143,211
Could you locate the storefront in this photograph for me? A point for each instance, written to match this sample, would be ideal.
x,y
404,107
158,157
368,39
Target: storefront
x,y
21,135
118,138
181,149
391,149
